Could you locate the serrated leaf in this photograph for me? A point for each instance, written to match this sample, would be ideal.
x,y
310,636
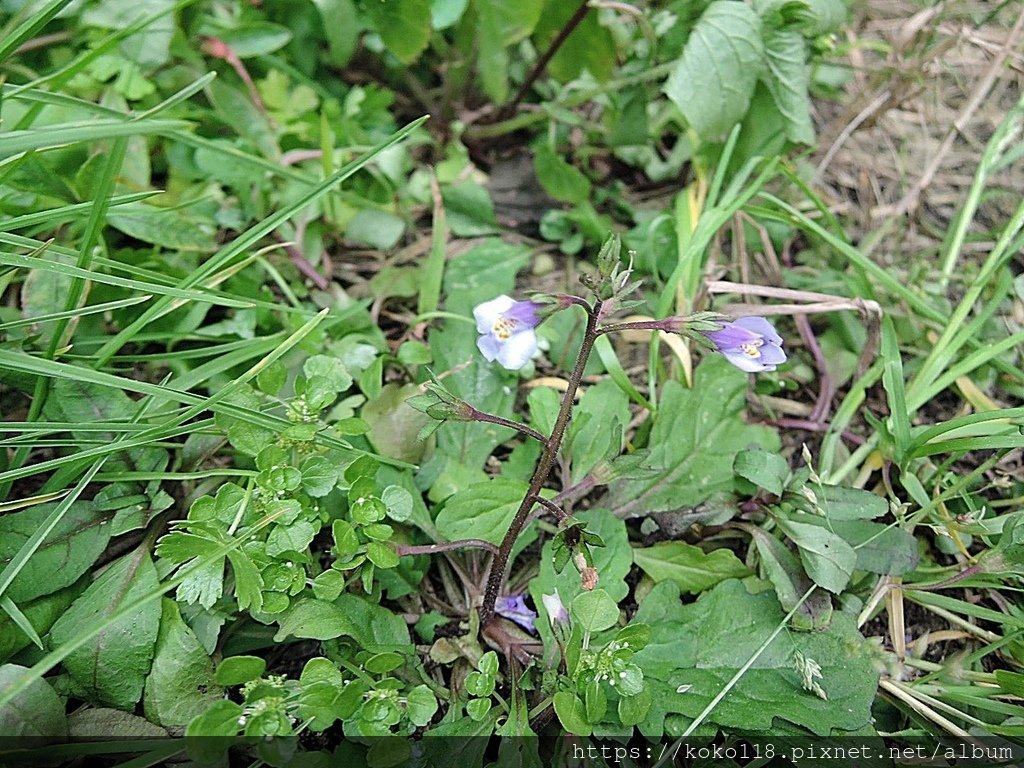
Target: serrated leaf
x,y
691,568
693,444
111,667
714,79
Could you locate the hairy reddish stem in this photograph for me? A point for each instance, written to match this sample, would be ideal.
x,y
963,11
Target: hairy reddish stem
x,y
499,565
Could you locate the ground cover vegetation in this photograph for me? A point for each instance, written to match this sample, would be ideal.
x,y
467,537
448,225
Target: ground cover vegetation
x,y
540,375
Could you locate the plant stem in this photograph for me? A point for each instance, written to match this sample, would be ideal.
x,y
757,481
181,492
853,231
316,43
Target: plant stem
x,y
476,415
540,475
542,62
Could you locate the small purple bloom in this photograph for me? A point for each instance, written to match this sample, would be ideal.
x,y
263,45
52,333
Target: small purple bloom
x,y
506,330
749,343
514,607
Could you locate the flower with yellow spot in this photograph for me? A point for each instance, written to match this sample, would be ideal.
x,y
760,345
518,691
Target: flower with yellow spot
x,y
506,330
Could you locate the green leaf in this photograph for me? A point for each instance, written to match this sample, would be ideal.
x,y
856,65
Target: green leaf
x,y
40,613
633,709
375,228
111,667
788,80
469,209
394,424
481,511
421,704
765,470
841,503
599,422
691,568
341,29
375,627
319,476
169,228
571,713
235,670
499,25
403,25
256,38
714,79
828,559
36,712
316,620
398,501
180,683
382,555
67,552
295,537
590,47
560,179
594,611
696,649
221,719
880,548
693,444
784,572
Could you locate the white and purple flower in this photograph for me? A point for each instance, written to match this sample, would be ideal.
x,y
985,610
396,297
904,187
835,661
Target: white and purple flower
x,y
557,615
749,343
514,607
506,330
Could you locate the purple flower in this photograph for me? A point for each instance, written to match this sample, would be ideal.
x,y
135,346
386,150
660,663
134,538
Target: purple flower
x,y
750,343
506,330
514,607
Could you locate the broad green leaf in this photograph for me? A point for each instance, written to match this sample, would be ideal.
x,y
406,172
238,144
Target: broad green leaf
x,y
481,511
469,209
111,667
403,25
421,704
561,180
691,568
842,503
828,560
149,47
394,424
696,436
341,29
41,613
174,229
762,468
880,548
72,546
714,79
499,25
381,555
375,627
571,713
219,720
235,670
594,611
590,47
256,38
96,723
480,274
180,683
788,79
36,712
316,620
787,576
696,649
598,425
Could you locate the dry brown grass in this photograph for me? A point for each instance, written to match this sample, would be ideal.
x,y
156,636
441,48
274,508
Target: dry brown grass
x,y
928,88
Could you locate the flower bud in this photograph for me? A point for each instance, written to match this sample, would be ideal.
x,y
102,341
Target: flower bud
x,y
557,615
